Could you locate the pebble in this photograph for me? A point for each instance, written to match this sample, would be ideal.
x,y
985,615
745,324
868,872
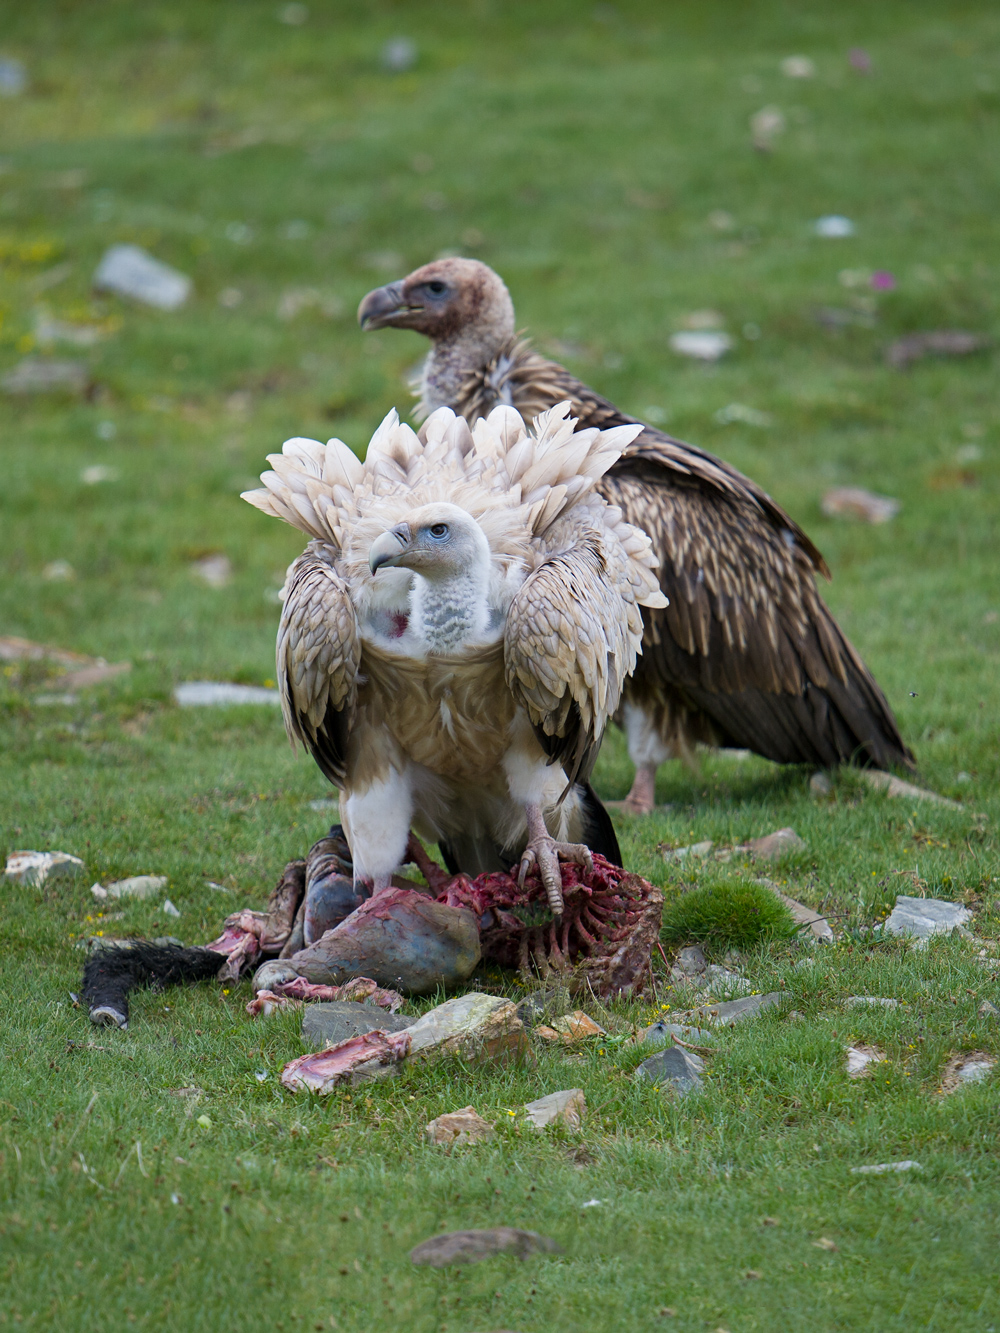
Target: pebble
x,y
168,909
818,925
861,1058
399,54
833,226
541,1004
870,1002
936,342
459,1127
571,1029
213,693
13,77
130,271
989,1010
334,1021
690,961
854,502
470,1247
775,845
920,918
37,374
37,867
882,1168
736,1011
661,1033
567,1107
137,886
673,1067
697,849
701,344
893,786
214,570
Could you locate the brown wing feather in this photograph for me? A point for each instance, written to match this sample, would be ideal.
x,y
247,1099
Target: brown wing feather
x,y
746,652
318,655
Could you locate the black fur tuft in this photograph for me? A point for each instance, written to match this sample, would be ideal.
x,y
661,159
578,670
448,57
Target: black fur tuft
x,y
110,974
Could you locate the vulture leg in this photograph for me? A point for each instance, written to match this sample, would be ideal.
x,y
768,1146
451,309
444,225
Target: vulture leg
x,y
377,824
642,797
543,850
648,750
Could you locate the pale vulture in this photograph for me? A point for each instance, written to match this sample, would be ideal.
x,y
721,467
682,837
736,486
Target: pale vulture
x,y
457,633
746,654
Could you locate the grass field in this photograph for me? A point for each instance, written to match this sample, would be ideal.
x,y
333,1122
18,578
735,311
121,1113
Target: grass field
x,y
600,158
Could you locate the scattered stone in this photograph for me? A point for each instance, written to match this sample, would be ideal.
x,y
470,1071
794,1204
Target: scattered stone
x,y
798,67
920,918
765,127
129,271
673,1067
541,1004
988,1010
737,1011
855,502
721,980
168,909
49,331
893,786
834,227
571,1029
37,867
58,571
399,54
882,1168
331,1023
469,1247
940,342
217,693
796,1016
567,1107
459,1128
472,1027
136,886
870,1002
13,77
967,1067
825,1244
701,344
696,849
690,962
803,916
294,14
774,845
662,1033
93,476
860,1060
820,784
748,416
216,570
37,374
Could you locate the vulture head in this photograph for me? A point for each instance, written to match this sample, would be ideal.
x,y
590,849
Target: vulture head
x,y
437,541
442,300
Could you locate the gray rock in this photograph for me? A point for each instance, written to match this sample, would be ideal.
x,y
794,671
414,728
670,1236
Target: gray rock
x,y
920,918
13,77
662,1034
819,927
775,845
736,1011
213,693
690,962
543,1004
472,1027
567,1107
720,979
327,1023
870,1002
469,1247
883,1168
137,886
674,1067
893,786
399,54
697,850
168,909
854,502
129,271
989,1010
36,374
37,867
820,784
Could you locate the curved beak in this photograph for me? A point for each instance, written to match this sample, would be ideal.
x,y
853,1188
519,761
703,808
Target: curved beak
x,y
389,547
382,307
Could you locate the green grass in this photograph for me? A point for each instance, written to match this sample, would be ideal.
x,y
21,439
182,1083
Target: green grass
x,y
581,151
726,915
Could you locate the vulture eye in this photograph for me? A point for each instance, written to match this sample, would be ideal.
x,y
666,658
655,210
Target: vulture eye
x,y
438,530
436,288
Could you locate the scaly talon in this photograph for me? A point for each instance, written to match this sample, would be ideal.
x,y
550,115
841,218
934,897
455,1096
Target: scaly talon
x,y
545,852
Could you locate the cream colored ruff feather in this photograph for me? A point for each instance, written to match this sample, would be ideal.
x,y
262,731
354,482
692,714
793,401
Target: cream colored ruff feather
x,y
457,633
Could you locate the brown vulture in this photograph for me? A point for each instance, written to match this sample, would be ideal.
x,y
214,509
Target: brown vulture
x,y
746,654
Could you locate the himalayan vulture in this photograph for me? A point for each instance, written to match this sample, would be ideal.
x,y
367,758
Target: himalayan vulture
x,y
457,633
745,653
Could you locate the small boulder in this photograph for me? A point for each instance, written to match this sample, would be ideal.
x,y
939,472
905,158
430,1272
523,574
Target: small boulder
x,y
567,1107
459,1127
37,867
737,1011
129,271
920,918
470,1247
674,1068
471,1027
775,845
333,1022
137,886
861,1058
571,1029
662,1033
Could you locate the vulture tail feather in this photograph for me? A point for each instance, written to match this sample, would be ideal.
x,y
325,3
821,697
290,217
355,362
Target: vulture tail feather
x,y
598,831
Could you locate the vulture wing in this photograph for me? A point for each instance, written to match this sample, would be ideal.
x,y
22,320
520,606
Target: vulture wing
x,y
746,641
567,648
318,654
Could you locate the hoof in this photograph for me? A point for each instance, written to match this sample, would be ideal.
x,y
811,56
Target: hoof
x,y
401,939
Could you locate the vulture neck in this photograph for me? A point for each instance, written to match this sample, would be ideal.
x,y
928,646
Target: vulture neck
x,y
450,613
452,359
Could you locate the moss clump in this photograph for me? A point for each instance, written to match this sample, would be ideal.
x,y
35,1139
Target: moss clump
x,y
726,915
